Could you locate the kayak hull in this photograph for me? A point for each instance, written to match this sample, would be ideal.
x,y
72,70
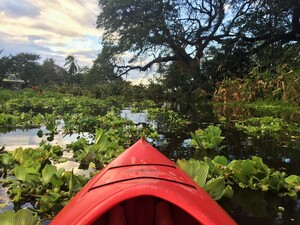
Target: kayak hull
x,y
144,187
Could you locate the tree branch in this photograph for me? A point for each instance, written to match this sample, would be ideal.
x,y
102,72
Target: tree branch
x,y
122,70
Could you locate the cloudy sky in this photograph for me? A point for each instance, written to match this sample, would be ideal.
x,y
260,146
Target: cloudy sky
x,y
51,29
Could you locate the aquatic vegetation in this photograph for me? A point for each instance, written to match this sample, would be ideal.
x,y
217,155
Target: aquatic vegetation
x,y
30,178
255,174
167,120
50,121
261,126
107,144
99,153
209,138
22,216
6,164
22,121
27,101
199,172
218,175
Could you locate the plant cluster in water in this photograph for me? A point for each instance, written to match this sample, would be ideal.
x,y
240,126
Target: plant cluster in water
x,y
21,217
31,176
217,176
209,138
267,125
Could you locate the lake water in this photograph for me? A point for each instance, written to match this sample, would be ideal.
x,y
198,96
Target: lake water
x,y
247,206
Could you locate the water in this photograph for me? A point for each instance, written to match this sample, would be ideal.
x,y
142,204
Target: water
x,y
29,139
247,206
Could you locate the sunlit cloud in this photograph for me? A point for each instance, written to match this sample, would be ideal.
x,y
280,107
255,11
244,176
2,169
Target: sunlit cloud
x,y
52,29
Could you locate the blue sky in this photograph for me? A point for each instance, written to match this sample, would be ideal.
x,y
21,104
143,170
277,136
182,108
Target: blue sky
x,y
51,29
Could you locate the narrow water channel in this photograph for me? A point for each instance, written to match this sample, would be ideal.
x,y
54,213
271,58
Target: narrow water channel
x,y
247,206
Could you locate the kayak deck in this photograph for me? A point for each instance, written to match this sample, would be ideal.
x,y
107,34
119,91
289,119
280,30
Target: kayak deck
x,y
142,187
146,210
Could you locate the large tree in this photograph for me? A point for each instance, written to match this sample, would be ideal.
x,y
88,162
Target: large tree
x,y
51,73
180,31
103,69
24,64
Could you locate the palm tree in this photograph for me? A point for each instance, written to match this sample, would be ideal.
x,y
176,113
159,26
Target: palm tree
x,y
71,64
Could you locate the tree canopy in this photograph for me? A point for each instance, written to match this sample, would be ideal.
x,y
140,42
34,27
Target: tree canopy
x,y
148,32
23,64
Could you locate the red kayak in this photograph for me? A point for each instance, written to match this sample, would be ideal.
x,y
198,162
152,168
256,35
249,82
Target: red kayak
x,y
142,187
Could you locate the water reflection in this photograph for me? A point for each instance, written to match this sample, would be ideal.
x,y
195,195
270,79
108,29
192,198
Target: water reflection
x,y
249,207
29,139
138,118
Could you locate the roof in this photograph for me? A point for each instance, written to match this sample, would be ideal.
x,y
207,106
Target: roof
x,y
12,78
13,81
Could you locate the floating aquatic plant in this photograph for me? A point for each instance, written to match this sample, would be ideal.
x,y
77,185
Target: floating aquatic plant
x,y
209,138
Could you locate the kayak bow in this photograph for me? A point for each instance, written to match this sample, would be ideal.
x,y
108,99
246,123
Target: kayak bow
x,y
142,187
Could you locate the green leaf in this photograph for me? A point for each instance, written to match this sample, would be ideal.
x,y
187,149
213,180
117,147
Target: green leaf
x,y
7,218
228,192
100,136
20,173
220,159
21,217
56,181
197,170
242,169
260,165
47,173
293,180
25,217
215,187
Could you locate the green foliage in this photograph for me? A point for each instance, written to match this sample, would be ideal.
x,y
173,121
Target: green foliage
x,y
31,178
100,152
51,123
217,189
21,217
261,126
141,106
198,171
209,138
23,64
167,120
195,169
256,175
6,163
16,120
217,176
280,84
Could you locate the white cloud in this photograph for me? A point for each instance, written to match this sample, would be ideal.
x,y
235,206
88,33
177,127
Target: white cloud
x,y
52,29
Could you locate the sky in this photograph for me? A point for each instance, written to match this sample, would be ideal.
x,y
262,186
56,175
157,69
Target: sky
x,y
51,28
54,29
